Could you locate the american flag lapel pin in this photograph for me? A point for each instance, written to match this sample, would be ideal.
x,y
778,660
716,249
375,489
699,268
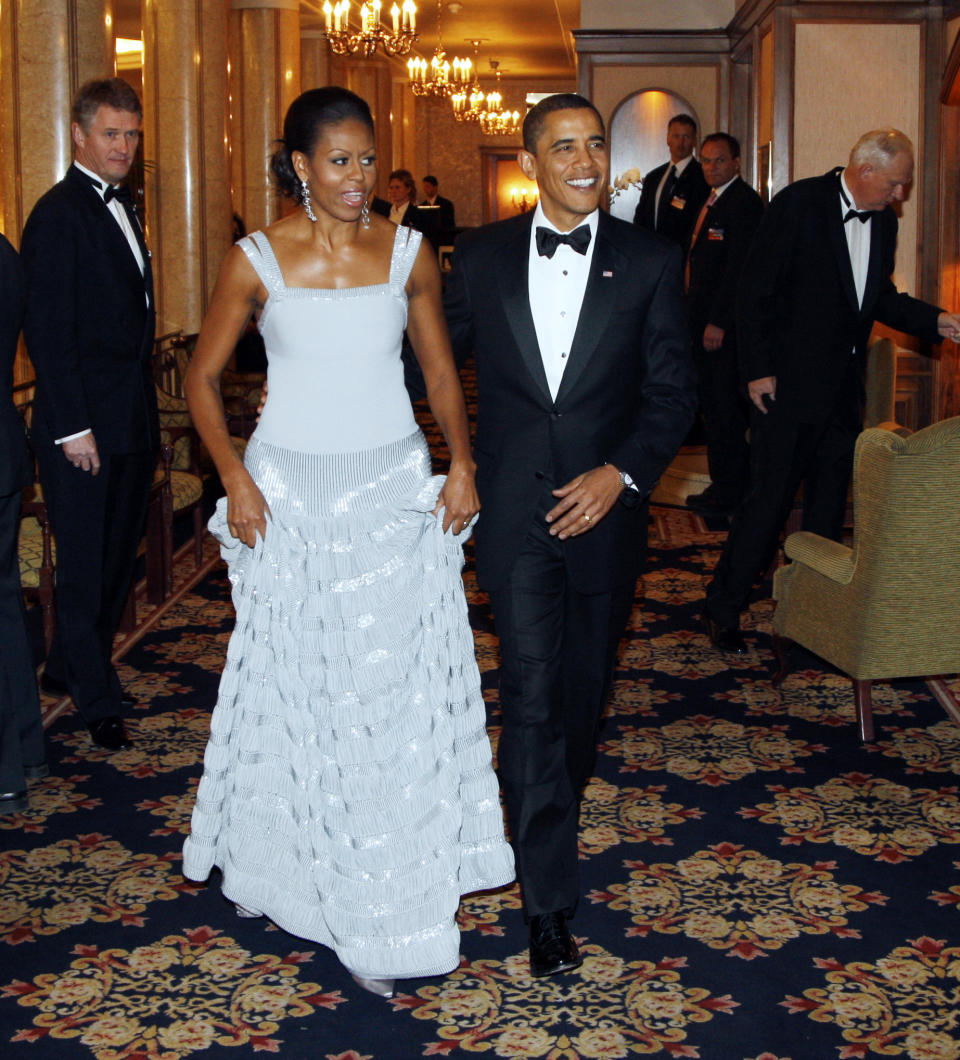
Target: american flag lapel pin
x,y
608,273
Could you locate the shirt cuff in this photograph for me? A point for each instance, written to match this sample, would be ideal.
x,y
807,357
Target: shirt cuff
x,y
70,437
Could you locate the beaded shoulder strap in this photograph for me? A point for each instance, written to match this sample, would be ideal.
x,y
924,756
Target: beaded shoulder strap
x,y
261,256
406,243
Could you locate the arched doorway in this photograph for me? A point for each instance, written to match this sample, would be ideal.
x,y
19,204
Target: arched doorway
x,y
638,132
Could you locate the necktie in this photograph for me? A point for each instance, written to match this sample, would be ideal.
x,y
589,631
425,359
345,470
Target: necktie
x,y
666,196
712,198
548,240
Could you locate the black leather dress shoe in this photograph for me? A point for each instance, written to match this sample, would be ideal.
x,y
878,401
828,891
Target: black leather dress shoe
x,y
13,802
53,686
724,638
552,950
109,733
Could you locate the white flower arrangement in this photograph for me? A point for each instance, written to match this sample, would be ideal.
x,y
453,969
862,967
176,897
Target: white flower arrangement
x,y
631,178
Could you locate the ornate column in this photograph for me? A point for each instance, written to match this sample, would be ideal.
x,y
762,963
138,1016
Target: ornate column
x,y
188,209
48,48
264,81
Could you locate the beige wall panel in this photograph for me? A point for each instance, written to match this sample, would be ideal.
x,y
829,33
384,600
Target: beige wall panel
x,y
839,95
656,14
698,84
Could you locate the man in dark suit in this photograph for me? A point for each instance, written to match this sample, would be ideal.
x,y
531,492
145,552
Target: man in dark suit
x,y
21,730
672,194
815,280
718,246
585,391
89,329
432,197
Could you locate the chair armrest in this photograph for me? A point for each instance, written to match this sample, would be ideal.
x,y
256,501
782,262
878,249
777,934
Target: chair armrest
x,y
826,557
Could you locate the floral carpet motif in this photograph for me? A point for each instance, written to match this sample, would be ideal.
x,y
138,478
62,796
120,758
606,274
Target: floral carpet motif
x,y
55,888
873,816
709,750
162,743
736,900
170,999
755,883
904,1004
608,1008
612,814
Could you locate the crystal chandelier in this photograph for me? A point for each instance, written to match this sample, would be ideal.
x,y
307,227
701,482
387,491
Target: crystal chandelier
x,y
494,120
468,102
438,77
346,41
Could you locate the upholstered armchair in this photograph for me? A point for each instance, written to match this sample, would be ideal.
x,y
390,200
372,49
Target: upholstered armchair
x,y
890,605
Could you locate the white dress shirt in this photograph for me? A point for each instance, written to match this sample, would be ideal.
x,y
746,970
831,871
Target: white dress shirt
x,y
398,211
858,242
556,287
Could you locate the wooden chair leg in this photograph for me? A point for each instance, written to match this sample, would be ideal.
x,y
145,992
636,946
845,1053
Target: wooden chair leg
x,y
198,529
861,694
156,580
781,651
128,620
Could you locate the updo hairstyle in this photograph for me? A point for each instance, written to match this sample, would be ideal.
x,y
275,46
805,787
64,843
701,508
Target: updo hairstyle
x,y
306,117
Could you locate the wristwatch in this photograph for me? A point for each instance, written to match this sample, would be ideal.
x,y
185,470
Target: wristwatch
x,y
626,482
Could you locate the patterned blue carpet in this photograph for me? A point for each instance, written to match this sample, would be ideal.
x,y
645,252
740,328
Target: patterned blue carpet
x,y
757,885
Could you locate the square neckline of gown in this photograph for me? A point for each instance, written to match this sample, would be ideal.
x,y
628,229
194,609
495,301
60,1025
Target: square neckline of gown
x,y
273,265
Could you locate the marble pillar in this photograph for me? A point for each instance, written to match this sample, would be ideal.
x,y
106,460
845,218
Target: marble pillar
x,y
48,48
264,81
188,210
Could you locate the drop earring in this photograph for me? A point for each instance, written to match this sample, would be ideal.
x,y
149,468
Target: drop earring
x,y
365,214
305,199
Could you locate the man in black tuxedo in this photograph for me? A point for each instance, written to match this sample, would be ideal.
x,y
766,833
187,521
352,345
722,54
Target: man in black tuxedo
x,y
815,280
585,392
432,197
718,246
672,194
21,730
89,329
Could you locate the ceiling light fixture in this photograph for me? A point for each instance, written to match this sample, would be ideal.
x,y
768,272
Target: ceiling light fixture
x,y
438,77
346,41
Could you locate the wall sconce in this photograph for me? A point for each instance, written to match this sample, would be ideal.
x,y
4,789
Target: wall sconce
x,y
523,198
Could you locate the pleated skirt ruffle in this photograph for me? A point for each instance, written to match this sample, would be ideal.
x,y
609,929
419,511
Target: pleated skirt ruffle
x,y
348,791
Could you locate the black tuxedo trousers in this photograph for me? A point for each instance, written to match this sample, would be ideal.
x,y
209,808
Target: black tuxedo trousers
x,y
98,522
557,652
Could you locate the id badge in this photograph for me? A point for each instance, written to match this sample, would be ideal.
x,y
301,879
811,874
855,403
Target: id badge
x,y
715,234
678,203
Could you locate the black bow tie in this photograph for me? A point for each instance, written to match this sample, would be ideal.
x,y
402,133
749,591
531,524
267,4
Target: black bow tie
x,y
120,193
861,215
548,240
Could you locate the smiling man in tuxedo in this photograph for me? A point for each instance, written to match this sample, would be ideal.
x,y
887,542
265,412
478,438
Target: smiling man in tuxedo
x,y
585,392
89,331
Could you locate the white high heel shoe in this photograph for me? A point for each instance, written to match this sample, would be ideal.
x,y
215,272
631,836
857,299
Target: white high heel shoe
x,y
380,987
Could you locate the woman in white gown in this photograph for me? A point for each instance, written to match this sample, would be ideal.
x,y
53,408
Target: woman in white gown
x,y
348,792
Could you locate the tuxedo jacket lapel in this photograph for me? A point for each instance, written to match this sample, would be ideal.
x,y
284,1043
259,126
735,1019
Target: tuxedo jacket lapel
x,y
838,240
872,286
513,281
598,300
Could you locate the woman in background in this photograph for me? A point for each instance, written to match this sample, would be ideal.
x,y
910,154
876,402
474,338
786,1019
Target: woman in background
x,y
348,792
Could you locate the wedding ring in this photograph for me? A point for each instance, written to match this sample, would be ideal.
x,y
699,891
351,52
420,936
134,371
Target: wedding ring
x,y
587,517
